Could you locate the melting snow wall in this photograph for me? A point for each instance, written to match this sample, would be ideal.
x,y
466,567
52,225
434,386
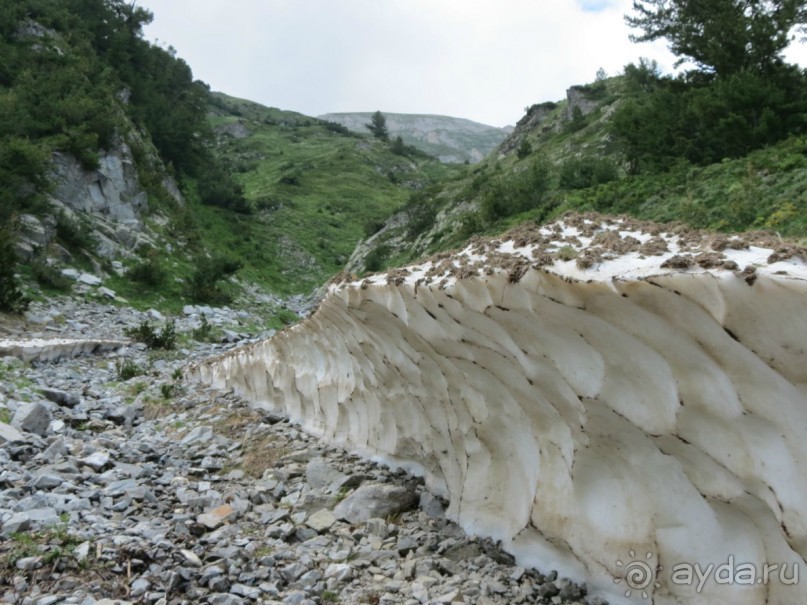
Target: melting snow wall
x,y
594,428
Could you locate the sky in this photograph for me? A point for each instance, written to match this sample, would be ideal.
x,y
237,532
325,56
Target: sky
x,y
484,60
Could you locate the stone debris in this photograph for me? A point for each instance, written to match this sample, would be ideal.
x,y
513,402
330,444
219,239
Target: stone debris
x,y
127,491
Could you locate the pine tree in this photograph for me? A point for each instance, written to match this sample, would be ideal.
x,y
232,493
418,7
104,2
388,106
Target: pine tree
x,y
378,126
721,36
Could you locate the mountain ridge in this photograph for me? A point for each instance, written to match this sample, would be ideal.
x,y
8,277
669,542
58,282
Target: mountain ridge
x,y
450,139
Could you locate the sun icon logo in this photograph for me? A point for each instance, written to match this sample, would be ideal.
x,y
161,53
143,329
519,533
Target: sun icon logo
x,y
637,574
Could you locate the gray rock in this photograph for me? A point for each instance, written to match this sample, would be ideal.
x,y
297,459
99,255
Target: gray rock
x,y
47,481
82,551
431,505
59,397
89,279
199,435
249,592
55,450
376,500
96,461
29,563
224,599
139,587
318,473
8,434
32,418
18,522
107,293
293,571
339,571
296,597
321,520
229,336
43,517
191,558
215,518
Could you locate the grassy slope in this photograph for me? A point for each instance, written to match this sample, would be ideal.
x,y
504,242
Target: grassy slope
x,y
316,190
765,190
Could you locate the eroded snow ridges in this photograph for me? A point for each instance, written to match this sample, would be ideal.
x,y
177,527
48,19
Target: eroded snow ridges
x,y
589,414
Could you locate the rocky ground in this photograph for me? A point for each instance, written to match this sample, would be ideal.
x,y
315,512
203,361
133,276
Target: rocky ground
x,y
121,482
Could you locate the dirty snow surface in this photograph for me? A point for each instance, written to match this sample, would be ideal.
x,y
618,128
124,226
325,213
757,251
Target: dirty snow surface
x,y
622,401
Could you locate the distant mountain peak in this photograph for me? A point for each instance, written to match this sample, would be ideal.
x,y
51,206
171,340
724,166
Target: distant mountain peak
x,y
453,140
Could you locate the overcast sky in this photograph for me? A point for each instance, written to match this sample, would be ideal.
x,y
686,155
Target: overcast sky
x,y
485,60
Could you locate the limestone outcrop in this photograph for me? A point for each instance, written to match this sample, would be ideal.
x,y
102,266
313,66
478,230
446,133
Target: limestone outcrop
x,y
621,401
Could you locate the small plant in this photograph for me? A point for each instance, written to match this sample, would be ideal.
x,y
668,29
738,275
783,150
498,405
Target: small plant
x,y
5,415
204,332
51,544
165,338
204,283
329,597
567,253
128,369
74,234
342,494
177,374
149,272
49,276
12,298
168,390
376,258
373,226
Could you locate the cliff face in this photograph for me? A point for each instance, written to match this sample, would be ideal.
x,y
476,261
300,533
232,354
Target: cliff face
x,y
109,200
616,400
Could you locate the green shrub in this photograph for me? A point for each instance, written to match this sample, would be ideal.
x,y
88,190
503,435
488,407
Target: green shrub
x,y
580,173
49,276
472,224
164,338
12,298
524,149
421,212
74,234
149,272
128,369
578,121
373,226
204,333
204,284
523,191
376,258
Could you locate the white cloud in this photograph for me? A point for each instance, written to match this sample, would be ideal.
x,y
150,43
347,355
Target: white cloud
x,y
477,59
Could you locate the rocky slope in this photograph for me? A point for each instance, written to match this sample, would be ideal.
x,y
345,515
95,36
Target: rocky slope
x,y
609,398
150,489
449,139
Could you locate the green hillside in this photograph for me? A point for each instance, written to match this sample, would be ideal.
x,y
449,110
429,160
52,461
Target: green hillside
x,y
568,156
116,161
317,189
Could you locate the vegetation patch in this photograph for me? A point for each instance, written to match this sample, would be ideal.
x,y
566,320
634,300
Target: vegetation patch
x,y
164,337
